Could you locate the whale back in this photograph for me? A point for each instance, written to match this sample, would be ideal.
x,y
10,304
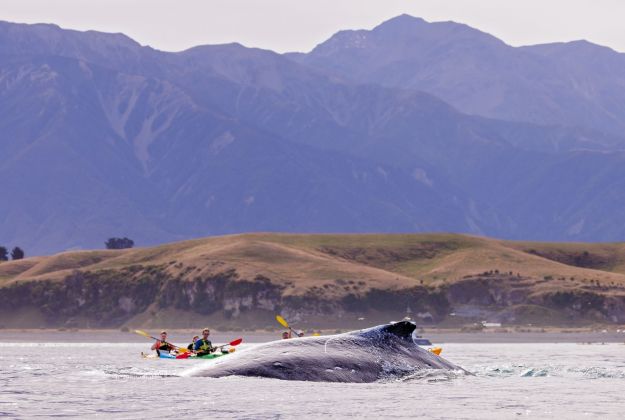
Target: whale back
x,y
368,355
401,330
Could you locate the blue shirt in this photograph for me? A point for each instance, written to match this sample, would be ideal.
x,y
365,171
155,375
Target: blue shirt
x,y
202,345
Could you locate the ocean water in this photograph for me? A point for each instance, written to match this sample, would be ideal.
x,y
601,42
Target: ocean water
x,y
105,380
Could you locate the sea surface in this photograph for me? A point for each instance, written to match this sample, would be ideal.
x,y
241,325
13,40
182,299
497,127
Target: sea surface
x,y
111,380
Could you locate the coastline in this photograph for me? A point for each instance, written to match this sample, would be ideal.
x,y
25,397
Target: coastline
x,y
437,336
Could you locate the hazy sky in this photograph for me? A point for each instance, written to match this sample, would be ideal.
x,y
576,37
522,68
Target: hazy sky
x,y
298,25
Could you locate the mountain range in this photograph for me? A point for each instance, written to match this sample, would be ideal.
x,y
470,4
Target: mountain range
x,y
409,127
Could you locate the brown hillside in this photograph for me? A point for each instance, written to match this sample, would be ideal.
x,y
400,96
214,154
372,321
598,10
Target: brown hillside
x,y
317,276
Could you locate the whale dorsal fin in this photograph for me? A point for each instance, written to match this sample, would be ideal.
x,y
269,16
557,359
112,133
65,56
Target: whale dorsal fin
x,y
402,329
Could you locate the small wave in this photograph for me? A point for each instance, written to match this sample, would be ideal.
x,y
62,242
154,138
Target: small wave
x,y
535,373
524,371
133,372
599,373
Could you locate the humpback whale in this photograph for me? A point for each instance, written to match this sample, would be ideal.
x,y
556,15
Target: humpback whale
x,y
383,352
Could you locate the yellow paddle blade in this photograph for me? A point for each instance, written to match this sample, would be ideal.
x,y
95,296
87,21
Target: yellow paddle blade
x,y
183,350
231,350
437,350
282,321
143,333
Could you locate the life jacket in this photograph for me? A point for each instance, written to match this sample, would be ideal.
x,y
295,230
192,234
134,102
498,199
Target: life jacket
x,y
205,346
164,346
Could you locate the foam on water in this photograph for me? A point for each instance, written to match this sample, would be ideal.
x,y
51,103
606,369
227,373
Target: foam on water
x,y
432,375
589,372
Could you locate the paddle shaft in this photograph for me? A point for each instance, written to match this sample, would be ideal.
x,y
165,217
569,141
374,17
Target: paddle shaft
x,y
158,339
180,349
285,324
232,343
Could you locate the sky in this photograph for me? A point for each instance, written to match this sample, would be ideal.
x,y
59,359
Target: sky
x,y
299,25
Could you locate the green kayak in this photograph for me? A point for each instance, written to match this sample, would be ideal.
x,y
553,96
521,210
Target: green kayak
x,y
210,356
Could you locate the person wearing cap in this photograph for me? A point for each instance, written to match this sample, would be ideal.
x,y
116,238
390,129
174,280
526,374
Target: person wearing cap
x,y
203,346
162,344
286,335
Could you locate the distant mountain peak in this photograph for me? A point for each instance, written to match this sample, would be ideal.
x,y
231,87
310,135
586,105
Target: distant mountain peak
x,y
29,26
407,25
231,48
404,29
402,20
580,48
52,33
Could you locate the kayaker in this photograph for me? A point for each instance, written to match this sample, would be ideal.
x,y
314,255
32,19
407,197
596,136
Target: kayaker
x,y
162,344
286,335
192,345
203,346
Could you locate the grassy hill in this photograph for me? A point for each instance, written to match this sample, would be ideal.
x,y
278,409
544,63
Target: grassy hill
x,y
321,280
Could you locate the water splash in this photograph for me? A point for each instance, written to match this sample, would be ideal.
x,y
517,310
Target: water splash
x,y
433,375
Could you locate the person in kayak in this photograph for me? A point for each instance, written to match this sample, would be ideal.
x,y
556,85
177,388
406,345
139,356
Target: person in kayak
x,y
192,345
286,335
203,346
162,344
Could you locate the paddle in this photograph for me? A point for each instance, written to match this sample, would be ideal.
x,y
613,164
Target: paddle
x,y
232,343
146,335
285,324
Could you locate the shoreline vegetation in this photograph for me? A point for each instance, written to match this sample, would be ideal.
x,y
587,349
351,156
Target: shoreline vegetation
x,y
320,281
